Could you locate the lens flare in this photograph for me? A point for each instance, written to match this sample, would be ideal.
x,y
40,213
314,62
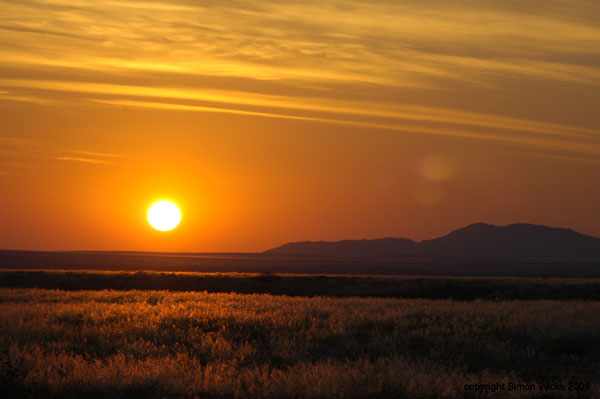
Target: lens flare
x,y
437,167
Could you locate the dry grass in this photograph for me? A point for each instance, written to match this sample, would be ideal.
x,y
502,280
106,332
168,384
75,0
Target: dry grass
x,y
157,344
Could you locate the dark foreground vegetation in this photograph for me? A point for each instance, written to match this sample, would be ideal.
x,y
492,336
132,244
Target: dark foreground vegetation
x,y
160,344
458,288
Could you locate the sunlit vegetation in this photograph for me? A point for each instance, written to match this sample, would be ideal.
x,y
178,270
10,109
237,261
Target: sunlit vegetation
x,y
157,344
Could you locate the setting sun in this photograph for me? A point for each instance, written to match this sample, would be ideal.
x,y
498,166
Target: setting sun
x,y
164,215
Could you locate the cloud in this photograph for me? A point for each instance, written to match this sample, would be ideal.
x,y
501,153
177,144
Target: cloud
x,y
228,98
510,72
85,160
409,43
13,140
20,154
98,154
559,144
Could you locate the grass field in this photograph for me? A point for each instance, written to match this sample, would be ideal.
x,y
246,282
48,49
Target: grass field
x,y
165,344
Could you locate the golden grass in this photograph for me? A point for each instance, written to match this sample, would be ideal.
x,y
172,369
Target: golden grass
x,y
156,344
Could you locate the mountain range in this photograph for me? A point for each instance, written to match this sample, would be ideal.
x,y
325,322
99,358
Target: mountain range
x,y
479,240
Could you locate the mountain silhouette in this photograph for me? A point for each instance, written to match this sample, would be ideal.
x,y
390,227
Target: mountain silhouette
x,y
378,247
480,240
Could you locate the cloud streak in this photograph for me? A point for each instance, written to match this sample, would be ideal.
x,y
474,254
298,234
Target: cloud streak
x,y
98,154
13,141
282,106
85,160
18,154
562,144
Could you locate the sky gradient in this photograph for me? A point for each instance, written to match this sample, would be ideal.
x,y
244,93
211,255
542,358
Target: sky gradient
x,y
274,121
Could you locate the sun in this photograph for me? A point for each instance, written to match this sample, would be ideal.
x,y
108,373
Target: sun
x,y
164,215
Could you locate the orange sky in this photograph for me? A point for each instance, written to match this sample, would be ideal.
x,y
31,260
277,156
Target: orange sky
x,y
269,121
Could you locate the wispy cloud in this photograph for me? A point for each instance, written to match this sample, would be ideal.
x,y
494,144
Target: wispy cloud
x,y
86,160
13,140
19,154
398,117
587,147
98,154
478,68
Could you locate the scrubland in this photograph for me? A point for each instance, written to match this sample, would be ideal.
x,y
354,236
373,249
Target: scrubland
x,y
165,344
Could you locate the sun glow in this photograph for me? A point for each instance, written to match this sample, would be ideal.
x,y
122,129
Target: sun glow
x,y
164,215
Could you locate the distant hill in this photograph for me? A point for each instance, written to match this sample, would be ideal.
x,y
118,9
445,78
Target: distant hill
x,y
378,247
478,240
